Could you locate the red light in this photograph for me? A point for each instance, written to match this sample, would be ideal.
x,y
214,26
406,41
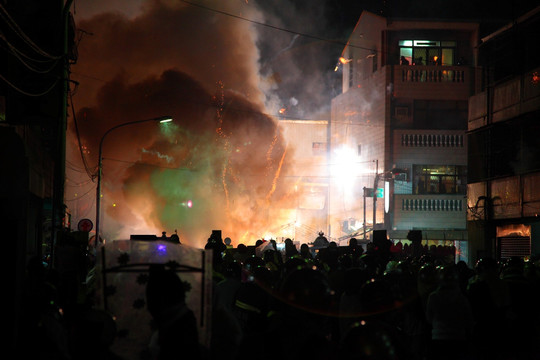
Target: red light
x,y
535,78
189,203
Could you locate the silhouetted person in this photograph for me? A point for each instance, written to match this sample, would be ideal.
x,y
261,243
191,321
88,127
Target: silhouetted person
x,y
175,239
404,61
177,334
321,241
415,236
522,313
354,249
305,252
241,253
450,315
215,243
382,245
290,249
85,324
489,299
329,256
299,322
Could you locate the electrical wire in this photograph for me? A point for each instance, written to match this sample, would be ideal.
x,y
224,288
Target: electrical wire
x,y
83,195
310,36
26,56
90,173
26,92
88,76
20,55
74,167
77,184
15,27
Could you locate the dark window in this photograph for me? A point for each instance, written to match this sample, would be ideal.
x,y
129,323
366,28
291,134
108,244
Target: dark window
x,y
440,114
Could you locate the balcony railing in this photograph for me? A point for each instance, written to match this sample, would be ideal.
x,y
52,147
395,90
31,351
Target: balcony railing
x,y
431,140
516,96
430,211
431,204
433,82
419,73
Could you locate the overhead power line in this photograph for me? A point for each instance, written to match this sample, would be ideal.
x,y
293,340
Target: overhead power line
x,y
15,27
306,35
29,93
23,58
89,172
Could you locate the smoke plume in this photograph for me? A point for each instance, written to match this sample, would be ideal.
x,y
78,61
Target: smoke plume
x,y
220,165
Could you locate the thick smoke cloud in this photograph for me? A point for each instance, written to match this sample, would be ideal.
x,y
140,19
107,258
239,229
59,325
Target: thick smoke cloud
x,y
298,60
223,152
206,45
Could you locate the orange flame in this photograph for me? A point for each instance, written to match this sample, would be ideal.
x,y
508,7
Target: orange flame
x,y
276,175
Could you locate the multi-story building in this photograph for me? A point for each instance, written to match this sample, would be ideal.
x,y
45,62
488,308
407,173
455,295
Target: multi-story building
x,y
33,103
504,149
401,123
308,176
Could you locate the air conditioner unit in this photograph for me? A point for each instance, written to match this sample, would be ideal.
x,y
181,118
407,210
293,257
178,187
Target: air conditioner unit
x,y
401,112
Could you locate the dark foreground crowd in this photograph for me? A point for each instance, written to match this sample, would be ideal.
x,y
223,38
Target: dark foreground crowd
x,y
338,303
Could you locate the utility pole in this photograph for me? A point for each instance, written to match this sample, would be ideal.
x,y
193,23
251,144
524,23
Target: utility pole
x,y
375,184
58,207
364,212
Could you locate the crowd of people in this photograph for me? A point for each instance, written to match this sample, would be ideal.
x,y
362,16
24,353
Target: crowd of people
x,y
348,302
375,303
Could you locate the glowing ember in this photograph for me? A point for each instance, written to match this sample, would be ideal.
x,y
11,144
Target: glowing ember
x,y
535,78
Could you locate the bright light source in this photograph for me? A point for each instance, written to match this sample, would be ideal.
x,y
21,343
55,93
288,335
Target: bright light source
x,y
346,165
165,119
189,203
386,196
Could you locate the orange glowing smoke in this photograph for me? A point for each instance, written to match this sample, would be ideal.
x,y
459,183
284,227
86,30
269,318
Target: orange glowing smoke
x,y
276,176
244,192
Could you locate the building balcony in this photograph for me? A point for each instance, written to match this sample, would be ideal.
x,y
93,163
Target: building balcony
x,y
412,146
433,82
437,212
510,99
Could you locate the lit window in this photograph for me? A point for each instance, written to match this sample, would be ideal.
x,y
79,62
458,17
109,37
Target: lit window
x,y
439,179
427,52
